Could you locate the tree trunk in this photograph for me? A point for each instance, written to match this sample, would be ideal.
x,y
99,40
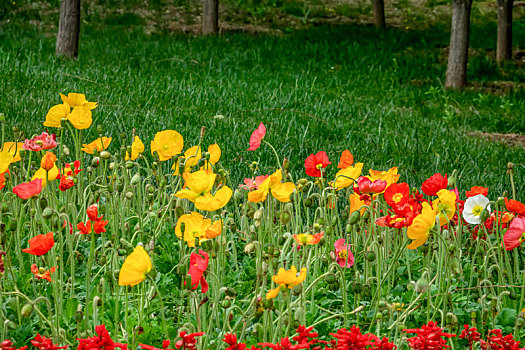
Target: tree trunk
x,y
379,13
210,17
504,50
68,29
456,76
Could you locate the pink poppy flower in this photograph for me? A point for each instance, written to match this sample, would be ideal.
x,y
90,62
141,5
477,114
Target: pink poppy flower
x,y
366,186
515,235
40,142
343,255
253,184
257,135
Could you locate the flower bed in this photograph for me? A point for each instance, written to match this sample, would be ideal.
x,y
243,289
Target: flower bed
x,y
159,244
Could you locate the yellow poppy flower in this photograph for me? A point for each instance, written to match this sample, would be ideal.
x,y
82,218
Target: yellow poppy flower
x,y
135,267
190,158
280,191
356,203
56,114
73,99
99,144
420,229
287,279
390,176
197,227
14,149
6,159
200,184
215,153
345,177
445,206
137,147
167,143
50,175
80,117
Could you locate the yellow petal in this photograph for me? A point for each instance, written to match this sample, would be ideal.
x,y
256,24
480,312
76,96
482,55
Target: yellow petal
x,y
282,192
135,267
215,153
257,196
80,117
272,293
56,114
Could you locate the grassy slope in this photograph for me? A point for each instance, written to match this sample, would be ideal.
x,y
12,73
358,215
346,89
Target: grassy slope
x,y
338,87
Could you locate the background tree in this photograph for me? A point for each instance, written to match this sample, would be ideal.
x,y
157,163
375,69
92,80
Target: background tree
x,y
456,76
379,13
504,49
210,17
68,29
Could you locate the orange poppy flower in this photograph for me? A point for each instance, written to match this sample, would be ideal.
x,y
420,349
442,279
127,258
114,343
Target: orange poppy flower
x,y
515,206
304,238
477,190
346,160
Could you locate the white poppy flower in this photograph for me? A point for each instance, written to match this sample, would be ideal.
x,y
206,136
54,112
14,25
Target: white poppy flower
x,y
473,208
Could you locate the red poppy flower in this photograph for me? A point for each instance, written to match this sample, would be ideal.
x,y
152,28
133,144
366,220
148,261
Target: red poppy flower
x,y
28,189
346,160
3,180
66,182
366,186
69,171
515,235
85,229
43,343
397,194
475,190
100,225
41,273
40,244
92,212
434,184
198,264
315,162
395,221
8,345
257,136
188,340
515,206
165,344
101,341
429,336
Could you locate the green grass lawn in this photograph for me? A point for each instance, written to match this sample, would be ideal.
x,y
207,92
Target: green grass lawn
x,y
324,88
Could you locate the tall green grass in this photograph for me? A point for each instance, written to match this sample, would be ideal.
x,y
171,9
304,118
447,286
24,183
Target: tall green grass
x,y
325,88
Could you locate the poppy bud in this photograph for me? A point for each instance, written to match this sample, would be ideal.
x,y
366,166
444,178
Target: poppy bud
x,y
422,284
226,303
238,195
334,286
451,319
10,325
102,260
520,322
308,202
79,315
105,155
47,213
513,295
4,208
257,223
285,217
452,248
129,195
382,305
366,216
330,278
95,162
2,117
97,301
258,214
27,310
370,256
354,218
122,252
